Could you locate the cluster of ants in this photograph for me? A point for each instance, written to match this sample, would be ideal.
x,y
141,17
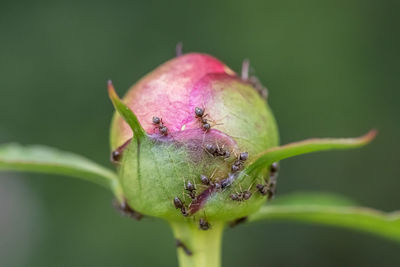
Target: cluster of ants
x,y
178,203
270,187
217,151
199,114
191,191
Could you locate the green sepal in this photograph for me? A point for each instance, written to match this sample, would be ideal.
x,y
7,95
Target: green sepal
x,y
266,158
126,113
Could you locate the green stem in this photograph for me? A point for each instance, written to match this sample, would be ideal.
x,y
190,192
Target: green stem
x,y
205,245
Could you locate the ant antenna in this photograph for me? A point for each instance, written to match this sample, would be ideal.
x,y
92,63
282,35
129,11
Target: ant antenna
x,y
179,49
245,69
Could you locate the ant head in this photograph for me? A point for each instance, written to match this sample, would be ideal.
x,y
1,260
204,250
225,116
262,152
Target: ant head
x,y
274,167
235,168
204,179
189,186
244,156
246,195
211,148
156,120
203,224
199,112
115,156
234,196
178,203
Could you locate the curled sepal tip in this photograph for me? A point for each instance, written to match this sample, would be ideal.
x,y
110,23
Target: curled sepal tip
x,y
126,113
266,158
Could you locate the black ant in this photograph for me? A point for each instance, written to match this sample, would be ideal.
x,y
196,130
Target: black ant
x,y
191,189
274,168
160,125
179,205
209,181
199,114
204,180
238,164
116,155
253,80
127,210
242,196
203,224
263,189
217,151
273,175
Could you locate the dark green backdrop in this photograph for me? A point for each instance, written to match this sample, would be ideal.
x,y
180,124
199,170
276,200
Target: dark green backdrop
x,y
331,68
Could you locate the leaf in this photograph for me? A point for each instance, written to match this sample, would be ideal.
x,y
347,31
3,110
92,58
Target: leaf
x,y
266,158
308,198
331,210
42,159
126,113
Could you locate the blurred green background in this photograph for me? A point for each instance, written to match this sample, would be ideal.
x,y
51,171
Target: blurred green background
x,y
331,68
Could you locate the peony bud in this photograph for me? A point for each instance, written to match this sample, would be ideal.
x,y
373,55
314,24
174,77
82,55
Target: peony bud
x,y
214,121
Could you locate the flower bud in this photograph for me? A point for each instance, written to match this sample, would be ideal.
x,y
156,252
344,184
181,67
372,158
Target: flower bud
x,y
202,123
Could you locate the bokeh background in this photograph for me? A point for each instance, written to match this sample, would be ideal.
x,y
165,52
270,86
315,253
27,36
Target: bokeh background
x,y
332,69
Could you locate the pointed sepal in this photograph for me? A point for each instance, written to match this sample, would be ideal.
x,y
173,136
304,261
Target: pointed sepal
x,y
126,113
266,158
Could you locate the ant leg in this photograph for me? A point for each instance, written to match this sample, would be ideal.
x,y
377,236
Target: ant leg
x,y
180,244
245,69
179,49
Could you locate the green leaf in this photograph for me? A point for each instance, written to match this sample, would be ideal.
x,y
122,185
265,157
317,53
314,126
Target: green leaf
x,y
42,159
331,210
126,113
266,158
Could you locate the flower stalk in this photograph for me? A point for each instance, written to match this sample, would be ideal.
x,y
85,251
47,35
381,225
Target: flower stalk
x,y
196,247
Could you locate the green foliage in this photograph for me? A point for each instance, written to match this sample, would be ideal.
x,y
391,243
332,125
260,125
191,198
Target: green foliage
x,y
43,159
328,209
266,158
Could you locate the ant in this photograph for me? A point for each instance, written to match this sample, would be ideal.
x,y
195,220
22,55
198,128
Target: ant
x,y
209,181
253,80
217,151
263,189
238,164
160,125
116,155
179,205
204,180
199,114
127,210
273,175
191,189
242,195
203,224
